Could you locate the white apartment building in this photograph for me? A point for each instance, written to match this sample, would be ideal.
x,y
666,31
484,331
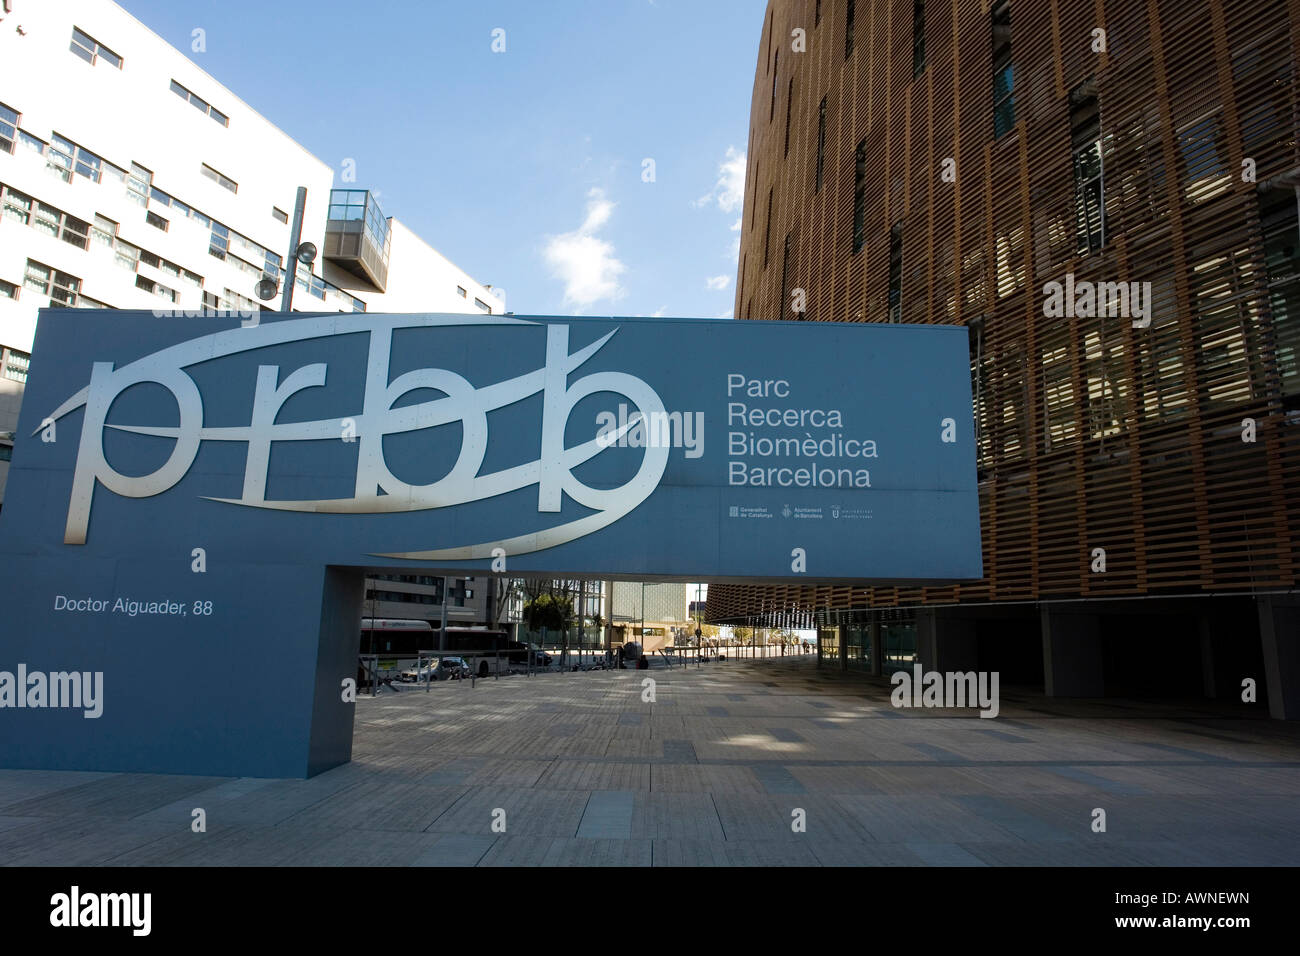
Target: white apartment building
x,y
132,179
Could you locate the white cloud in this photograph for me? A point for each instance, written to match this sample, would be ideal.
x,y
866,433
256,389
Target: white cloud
x,y
735,226
717,283
659,312
729,191
585,263
723,315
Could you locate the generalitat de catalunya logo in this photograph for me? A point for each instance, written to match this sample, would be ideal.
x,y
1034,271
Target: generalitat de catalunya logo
x,y
377,491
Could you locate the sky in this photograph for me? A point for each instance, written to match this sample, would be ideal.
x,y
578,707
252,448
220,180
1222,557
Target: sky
x,y
525,167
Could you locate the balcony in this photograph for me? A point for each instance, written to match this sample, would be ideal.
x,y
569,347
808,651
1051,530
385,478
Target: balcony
x,y
357,236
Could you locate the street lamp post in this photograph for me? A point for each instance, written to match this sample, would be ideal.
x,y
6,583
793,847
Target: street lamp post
x,y
291,263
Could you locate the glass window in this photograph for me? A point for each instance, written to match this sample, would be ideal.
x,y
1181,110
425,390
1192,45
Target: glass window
x,y
199,104
221,180
1085,141
821,142
8,290
17,206
46,219
8,128
87,164
83,46
16,365
104,230
138,184
311,284
64,289
76,232
1004,110
155,220
91,50
1203,163
59,157
220,243
127,255
860,197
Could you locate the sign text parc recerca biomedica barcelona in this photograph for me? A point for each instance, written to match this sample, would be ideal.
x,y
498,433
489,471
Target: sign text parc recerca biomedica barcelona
x,y
192,499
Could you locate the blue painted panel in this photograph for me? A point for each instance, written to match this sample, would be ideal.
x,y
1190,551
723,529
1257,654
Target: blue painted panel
x,y
297,450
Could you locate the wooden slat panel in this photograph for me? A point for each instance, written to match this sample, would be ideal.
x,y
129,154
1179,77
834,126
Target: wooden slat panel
x,y
1091,433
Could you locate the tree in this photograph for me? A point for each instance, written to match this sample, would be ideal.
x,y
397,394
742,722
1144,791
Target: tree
x,y
548,611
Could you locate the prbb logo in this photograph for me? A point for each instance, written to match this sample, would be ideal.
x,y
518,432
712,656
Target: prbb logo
x,y
377,489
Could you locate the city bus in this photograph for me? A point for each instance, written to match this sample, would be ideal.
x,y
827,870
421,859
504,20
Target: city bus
x,y
395,645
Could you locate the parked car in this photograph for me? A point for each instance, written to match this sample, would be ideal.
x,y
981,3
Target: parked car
x,y
445,668
415,675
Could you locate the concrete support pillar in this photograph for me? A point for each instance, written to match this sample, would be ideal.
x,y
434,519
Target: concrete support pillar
x,y
843,632
944,641
877,649
1279,633
1205,627
1072,658
926,651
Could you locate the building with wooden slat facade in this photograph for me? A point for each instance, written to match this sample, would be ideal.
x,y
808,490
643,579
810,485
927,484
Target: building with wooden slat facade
x,y
948,161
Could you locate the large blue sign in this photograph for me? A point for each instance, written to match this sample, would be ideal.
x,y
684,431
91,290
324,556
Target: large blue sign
x,y
180,484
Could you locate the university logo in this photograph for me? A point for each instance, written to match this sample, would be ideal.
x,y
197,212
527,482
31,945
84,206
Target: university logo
x,y
377,490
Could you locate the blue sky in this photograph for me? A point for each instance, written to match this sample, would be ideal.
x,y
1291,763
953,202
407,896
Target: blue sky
x,y
523,167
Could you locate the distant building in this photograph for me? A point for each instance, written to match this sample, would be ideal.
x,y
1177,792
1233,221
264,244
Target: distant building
x,y
132,179
652,613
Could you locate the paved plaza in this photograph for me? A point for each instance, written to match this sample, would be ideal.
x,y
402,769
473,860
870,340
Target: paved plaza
x,y
720,769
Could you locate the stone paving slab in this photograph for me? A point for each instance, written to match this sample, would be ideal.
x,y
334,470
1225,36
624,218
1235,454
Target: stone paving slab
x,y
733,764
